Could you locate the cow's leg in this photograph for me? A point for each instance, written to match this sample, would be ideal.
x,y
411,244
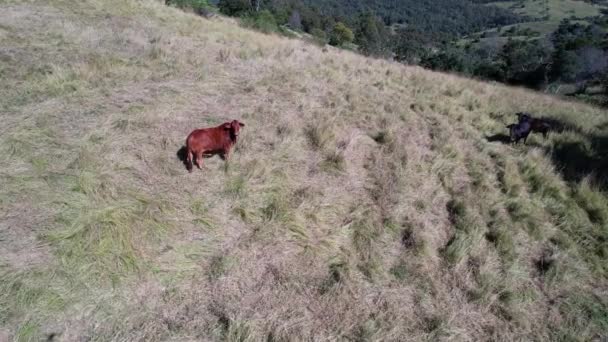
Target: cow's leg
x,y
189,160
225,154
199,160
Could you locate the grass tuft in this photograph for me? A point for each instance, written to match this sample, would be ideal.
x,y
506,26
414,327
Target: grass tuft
x,y
317,135
333,161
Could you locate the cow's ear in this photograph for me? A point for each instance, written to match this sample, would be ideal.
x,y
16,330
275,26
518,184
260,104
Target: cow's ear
x,y
227,125
241,124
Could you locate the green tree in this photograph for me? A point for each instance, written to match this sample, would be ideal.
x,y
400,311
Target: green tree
x,y
448,60
411,45
372,35
489,69
310,19
262,21
341,35
525,62
564,65
234,7
319,36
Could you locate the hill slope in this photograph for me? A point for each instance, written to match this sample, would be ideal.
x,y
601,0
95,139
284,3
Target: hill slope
x,y
545,16
365,200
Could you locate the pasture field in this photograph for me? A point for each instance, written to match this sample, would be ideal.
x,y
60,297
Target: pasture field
x,y
366,200
545,16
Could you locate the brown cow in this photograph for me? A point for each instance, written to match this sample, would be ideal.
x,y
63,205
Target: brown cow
x,y
215,140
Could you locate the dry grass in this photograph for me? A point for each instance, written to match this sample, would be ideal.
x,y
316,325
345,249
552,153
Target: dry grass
x,y
363,201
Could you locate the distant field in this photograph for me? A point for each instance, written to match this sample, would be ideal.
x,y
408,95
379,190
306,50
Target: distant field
x,y
545,15
551,10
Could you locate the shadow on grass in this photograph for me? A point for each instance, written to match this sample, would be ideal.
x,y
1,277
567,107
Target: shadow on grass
x,y
602,126
503,138
182,153
576,160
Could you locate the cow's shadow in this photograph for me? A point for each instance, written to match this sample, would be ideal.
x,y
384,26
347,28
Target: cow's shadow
x,y
577,159
502,138
182,154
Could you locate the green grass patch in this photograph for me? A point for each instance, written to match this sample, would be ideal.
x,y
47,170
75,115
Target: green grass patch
x,y
218,266
502,239
593,201
236,186
317,135
584,314
103,239
365,234
400,270
458,248
31,291
333,162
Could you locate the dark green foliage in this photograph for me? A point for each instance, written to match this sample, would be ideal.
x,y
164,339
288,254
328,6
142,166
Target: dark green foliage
x,y
448,16
448,60
298,16
234,7
340,35
372,35
489,69
580,52
525,62
515,31
564,65
319,35
410,45
262,21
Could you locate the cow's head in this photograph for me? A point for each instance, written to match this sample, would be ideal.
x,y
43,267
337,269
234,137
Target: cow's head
x,y
234,127
522,116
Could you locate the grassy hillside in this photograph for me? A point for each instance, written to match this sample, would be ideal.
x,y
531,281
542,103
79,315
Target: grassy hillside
x,y
545,15
366,200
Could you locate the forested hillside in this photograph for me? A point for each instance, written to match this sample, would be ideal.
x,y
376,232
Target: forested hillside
x,y
451,17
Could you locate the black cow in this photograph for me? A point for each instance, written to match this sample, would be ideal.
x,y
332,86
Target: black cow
x,y
520,130
539,125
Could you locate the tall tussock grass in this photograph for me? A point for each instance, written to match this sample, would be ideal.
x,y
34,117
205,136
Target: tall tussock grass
x,y
364,199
